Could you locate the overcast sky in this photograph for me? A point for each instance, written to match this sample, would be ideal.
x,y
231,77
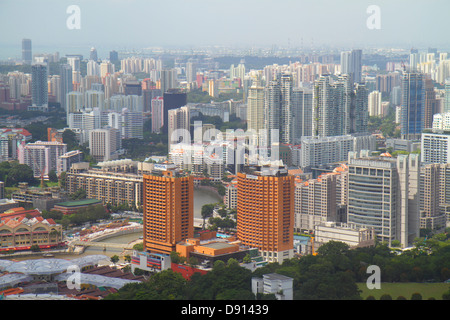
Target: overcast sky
x,y
119,24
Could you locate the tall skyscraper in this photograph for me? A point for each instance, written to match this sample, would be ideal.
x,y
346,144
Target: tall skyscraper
x,y
106,68
272,111
113,56
286,126
302,102
66,84
265,211
431,104
447,96
157,114
324,114
39,86
104,143
383,194
178,122
168,80
93,54
375,103
413,104
434,196
435,148
168,209
191,72
315,202
173,99
351,65
279,108
255,108
27,56
359,109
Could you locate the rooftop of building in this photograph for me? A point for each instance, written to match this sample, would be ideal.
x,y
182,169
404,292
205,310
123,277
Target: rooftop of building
x,y
78,203
266,170
217,245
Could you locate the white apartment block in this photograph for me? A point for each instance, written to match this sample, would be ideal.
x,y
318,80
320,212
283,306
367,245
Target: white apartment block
x,y
274,283
69,158
435,148
316,150
42,156
104,144
347,233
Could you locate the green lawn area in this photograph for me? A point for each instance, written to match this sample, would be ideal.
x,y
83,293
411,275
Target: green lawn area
x,y
427,290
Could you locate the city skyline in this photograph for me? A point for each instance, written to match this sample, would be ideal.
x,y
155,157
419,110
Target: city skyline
x,y
200,23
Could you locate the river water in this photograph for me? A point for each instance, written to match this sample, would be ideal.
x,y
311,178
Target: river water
x,y
201,197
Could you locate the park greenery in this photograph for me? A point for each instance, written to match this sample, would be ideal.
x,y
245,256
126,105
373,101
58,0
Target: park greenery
x,y
12,172
199,96
386,125
332,274
84,215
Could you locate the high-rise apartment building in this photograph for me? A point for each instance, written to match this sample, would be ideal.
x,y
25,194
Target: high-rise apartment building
x,y
302,102
265,211
255,108
106,67
375,104
431,106
168,209
42,157
315,202
191,72
272,110
104,143
66,83
39,86
331,107
383,194
435,148
157,114
413,104
115,182
279,108
178,123
169,80
351,65
173,99
93,54
434,196
447,96
113,56
316,151
129,123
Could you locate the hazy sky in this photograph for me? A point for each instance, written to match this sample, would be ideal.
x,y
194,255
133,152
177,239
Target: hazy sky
x,y
119,24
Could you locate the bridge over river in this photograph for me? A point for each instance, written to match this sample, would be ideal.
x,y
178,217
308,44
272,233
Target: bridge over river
x,y
124,246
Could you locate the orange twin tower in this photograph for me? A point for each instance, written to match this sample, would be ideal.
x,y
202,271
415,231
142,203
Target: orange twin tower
x,y
265,211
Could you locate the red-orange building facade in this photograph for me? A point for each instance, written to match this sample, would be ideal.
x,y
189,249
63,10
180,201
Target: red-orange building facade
x,y
168,211
265,213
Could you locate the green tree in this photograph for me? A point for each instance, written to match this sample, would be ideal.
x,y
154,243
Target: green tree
x,y
416,296
35,248
207,211
52,176
115,259
80,194
19,173
164,285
